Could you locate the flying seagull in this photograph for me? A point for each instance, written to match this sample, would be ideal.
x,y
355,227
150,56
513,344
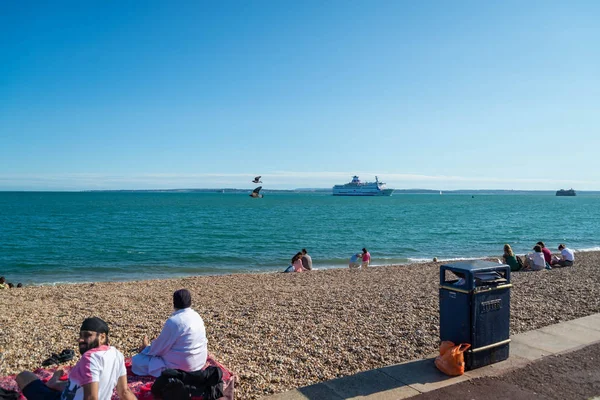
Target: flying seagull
x,y
256,193
257,179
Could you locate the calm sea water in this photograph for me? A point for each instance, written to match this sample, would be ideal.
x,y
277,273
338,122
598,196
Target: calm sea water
x,y
75,237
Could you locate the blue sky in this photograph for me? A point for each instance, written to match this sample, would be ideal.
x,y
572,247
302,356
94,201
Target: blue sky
x,y
424,94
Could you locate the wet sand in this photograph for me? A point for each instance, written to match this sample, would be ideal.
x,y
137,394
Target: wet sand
x,y
281,331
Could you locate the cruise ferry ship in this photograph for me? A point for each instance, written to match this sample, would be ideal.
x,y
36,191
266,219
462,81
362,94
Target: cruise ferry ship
x,y
563,192
358,188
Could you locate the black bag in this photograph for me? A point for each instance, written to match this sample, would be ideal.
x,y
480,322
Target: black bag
x,y
8,394
175,384
520,262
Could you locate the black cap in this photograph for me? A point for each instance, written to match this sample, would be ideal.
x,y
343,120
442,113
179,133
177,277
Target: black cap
x,y
182,298
94,324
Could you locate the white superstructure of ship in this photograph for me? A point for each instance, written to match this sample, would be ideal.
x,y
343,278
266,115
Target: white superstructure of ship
x,y
358,188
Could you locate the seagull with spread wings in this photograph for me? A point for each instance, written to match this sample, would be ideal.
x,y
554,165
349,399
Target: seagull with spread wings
x,y
257,179
256,193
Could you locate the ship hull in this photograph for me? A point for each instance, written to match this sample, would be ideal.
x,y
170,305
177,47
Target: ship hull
x,y
563,192
362,192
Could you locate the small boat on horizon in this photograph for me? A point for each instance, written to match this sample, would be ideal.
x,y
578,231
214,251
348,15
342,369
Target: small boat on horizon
x,y
358,188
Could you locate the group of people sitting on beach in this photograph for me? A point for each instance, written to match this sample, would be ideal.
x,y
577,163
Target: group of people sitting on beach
x,y
8,285
181,345
541,258
301,262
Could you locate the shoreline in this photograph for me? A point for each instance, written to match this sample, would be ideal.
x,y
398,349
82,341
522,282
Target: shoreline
x,y
414,261
279,331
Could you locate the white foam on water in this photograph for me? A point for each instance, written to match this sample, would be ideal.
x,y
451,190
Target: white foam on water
x,y
587,250
424,260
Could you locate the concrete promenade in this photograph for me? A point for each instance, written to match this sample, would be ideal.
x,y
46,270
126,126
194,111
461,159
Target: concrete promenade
x,y
411,378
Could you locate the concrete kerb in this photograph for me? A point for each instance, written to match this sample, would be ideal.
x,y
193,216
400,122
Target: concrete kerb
x,y
411,378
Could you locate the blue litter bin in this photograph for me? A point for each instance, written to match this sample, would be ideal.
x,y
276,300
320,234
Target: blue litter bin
x,y
475,309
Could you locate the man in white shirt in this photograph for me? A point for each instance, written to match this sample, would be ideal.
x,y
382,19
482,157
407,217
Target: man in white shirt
x,y
94,377
182,343
567,257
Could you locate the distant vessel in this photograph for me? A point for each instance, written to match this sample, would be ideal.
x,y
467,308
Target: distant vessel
x,y
358,188
563,192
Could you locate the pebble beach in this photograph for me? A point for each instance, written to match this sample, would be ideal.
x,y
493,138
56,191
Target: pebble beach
x,y
280,331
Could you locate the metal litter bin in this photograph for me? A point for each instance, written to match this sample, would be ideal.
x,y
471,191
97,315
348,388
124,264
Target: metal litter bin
x,y
475,309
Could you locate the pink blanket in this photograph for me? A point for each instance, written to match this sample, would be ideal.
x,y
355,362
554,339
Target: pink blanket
x,y
139,385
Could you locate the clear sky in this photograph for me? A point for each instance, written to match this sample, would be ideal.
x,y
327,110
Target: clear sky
x,y
424,94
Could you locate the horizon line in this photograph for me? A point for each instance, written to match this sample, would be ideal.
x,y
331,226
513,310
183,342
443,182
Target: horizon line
x,y
275,190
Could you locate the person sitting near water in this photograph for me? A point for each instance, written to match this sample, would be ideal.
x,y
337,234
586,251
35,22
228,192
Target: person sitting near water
x,y
510,259
547,254
297,262
182,343
535,260
354,263
366,257
306,260
100,369
567,257
8,285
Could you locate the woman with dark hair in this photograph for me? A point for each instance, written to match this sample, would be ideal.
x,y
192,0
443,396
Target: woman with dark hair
x,y
297,262
547,254
366,258
535,260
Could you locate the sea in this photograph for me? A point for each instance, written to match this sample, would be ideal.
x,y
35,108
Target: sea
x,y
68,237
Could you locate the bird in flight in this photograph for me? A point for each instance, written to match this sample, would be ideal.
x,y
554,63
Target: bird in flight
x,y
257,179
256,193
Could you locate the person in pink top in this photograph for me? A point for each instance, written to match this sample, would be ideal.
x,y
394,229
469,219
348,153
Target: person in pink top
x,y
98,372
366,257
297,262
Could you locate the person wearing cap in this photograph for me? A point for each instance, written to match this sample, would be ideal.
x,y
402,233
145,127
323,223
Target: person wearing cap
x,y
100,369
182,343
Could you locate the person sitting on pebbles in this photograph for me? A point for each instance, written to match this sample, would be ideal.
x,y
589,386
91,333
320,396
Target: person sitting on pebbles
x,y
354,261
100,369
510,259
567,257
535,260
547,254
182,343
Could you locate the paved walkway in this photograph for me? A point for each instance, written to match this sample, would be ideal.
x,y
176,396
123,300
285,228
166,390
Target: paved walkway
x,y
411,378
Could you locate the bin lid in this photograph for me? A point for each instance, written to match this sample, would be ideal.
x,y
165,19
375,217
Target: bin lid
x,y
473,265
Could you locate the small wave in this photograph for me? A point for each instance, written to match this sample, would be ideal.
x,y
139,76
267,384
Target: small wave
x,y
440,259
587,250
56,283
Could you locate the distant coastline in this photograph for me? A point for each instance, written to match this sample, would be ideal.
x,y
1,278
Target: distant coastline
x,y
328,190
